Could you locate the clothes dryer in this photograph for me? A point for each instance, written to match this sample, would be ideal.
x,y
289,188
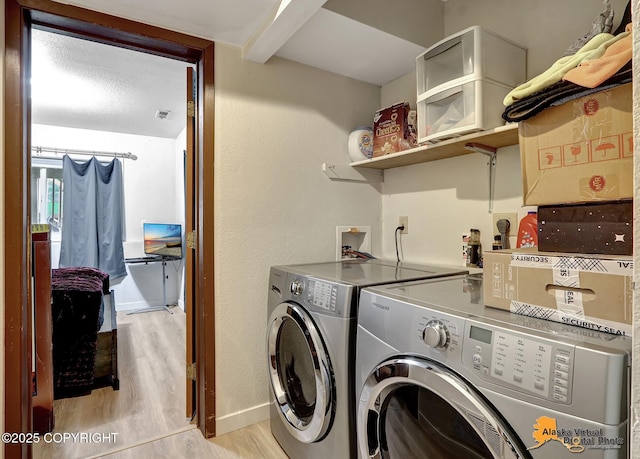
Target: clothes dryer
x,y
312,311
439,375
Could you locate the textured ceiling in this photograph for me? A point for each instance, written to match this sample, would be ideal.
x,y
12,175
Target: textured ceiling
x,y
82,84
228,21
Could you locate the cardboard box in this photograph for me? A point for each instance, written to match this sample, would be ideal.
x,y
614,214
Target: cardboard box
x,y
589,291
596,228
391,130
580,151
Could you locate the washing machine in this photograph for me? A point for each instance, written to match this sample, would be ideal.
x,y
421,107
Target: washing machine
x,y
311,328
439,375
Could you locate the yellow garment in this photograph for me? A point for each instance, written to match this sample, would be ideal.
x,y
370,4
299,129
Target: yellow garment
x,y
594,48
594,72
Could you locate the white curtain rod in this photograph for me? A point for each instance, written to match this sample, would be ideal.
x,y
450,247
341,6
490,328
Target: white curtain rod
x,y
63,151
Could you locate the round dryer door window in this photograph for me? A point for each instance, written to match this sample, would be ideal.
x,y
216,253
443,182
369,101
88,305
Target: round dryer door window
x,y
300,373
415,408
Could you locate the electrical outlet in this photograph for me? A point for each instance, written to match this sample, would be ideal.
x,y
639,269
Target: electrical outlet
x,y
404,221
513,223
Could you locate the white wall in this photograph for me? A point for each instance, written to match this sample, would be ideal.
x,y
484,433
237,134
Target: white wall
x,y
275,125
418,22
153,192
546,27
444,199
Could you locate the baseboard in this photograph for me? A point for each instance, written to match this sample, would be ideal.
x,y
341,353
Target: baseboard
x,y
134,305
241,419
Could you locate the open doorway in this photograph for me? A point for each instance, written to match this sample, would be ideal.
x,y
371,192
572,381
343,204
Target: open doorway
x,y
20,16
92,100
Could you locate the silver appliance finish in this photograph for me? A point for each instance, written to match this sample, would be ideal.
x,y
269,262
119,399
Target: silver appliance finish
x,y
311,328
521,386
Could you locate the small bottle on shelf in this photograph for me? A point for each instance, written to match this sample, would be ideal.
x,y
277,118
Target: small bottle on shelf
x,y
474,249
497,242
528,231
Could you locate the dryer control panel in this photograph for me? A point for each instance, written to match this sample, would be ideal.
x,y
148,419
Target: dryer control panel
x,y
322,294
518,361
318,295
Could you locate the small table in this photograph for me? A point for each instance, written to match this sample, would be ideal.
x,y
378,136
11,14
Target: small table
x,y
154,259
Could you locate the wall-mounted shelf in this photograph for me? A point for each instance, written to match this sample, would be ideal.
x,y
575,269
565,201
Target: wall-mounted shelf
x,y
502,136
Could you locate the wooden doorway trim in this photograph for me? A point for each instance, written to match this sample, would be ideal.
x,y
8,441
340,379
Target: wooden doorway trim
x,y
20,15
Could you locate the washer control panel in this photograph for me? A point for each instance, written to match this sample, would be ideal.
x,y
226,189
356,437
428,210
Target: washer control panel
x,y
521,362
439,335
436,334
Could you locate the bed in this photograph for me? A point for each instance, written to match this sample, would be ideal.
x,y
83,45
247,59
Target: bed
x,y
79,296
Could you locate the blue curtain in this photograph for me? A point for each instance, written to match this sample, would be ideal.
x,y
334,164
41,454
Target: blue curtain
x,y
92,216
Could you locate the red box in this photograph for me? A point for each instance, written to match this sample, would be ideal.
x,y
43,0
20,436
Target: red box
x,y
391,131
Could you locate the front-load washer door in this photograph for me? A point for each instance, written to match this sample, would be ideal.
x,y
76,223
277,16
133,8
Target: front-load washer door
x,y
416,408
300,373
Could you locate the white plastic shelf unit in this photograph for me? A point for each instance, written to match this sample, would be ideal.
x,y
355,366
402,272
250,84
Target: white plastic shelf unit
x,y
461,81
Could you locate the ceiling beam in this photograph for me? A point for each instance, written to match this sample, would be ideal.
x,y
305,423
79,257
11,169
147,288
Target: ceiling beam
x,y
284,21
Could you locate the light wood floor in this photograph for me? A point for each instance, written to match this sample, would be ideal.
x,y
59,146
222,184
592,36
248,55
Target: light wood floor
x,y
147,414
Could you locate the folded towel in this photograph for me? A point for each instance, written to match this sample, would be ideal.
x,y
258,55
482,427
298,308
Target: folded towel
x,y
595,48
592,73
